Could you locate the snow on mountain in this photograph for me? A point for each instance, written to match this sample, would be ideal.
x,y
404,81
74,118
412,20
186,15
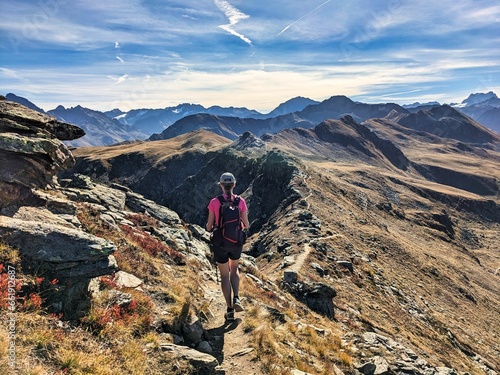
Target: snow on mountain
x,y
481,98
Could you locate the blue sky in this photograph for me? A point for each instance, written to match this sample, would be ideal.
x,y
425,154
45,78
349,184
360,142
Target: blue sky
x,y
153,54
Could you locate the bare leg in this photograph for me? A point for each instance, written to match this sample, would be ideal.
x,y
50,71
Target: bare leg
x,y
234,276
225,283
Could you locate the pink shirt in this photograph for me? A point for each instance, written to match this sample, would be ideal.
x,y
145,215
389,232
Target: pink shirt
x,y
214,206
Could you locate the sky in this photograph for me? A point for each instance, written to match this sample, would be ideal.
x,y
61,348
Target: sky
x,y
131,54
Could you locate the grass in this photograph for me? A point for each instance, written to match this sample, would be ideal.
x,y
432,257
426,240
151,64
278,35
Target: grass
x,y
293,343
117,335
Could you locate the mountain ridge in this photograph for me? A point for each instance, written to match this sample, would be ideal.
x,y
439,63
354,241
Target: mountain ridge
x,y
443,121
401,211
150,121
372,247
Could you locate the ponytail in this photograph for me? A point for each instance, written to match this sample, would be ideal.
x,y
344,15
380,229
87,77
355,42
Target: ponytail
x,y
228,191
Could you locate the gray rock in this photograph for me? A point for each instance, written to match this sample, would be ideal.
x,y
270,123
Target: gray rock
x,y
205,347
290,277
83,189
16,118
317,296
381,366
70,255
204,363
346,264
367,368
41,215
320,270
138,203
31,152
55,244
193,331
445,371
126,280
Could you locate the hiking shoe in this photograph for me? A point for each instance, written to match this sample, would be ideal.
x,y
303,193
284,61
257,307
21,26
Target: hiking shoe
x,y
237,305
229,316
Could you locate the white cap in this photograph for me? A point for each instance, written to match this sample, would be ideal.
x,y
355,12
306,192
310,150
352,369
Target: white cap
x,y
227,178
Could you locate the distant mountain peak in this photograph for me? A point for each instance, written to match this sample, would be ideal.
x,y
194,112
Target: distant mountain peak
x,y
247,140
478,98
292,105
418,104
18,99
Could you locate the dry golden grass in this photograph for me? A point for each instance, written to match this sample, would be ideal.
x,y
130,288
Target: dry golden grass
x,y
293,343
157,150
111,338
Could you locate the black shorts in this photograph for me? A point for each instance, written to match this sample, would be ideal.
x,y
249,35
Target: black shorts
x,y
222,255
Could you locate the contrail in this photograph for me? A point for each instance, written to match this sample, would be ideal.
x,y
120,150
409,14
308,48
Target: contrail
x,y
234,16
304,16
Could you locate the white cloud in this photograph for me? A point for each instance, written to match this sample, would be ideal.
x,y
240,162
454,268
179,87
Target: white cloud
x,y
9,73
119,80
120,59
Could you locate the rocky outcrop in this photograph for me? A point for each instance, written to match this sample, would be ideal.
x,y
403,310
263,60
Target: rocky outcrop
x,y
317,296
205,364
53,244
61,251
31,151
392,357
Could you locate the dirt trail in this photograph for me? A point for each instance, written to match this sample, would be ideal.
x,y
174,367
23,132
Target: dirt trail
x,y
300,259
230,344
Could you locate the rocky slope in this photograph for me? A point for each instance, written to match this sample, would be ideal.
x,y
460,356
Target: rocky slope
x,y
446,122
400,223
366,255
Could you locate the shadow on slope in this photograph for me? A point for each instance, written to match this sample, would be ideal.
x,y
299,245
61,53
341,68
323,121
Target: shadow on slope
x,y
181,175
342,139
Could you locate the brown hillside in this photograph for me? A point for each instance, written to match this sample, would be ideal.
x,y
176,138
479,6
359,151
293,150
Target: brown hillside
x,y
411,252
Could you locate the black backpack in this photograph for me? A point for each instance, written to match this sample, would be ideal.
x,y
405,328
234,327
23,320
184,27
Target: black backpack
x,y
230,223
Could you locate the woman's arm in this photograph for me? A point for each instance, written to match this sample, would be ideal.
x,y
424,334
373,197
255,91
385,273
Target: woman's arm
x,y
210,221
244,219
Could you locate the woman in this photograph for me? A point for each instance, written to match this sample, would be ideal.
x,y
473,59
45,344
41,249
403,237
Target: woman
x,y
227,256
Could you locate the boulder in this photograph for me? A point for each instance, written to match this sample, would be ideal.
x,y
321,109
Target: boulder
x,y
31,151
67,254
125,280
204,363
317,296
16,118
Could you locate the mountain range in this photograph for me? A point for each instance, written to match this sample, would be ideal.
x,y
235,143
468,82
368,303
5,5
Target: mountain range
x,y
104,128
400,218
372,249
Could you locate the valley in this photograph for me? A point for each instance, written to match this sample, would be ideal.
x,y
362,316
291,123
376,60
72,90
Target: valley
x,y
373,246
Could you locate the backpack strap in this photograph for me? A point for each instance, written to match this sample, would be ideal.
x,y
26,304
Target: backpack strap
x,y
222,201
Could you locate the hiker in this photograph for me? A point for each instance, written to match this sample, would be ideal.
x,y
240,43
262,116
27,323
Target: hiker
x,y
228,236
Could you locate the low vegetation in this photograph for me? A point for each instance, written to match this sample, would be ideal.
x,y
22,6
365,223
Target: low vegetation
x,y
118,335
124,327
286,335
